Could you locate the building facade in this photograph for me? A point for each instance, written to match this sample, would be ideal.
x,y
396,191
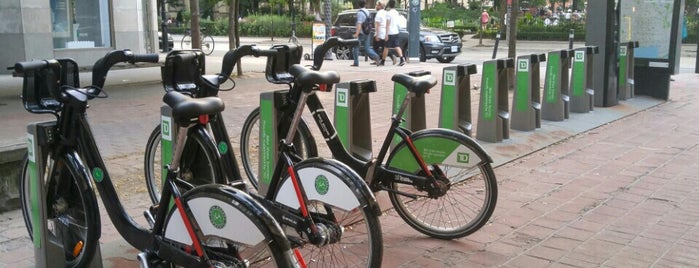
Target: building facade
x,y
83,30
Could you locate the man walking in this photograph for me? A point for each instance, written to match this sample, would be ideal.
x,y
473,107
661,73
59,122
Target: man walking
x,y
392,30
364,38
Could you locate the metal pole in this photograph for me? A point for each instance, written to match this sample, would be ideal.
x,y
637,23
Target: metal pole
x,y
497,41
163,24
571,36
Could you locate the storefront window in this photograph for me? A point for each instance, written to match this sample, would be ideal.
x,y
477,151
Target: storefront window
x,y
80,23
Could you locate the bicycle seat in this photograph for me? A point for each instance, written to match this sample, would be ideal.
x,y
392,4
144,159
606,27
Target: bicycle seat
x,y
184,108
305,76
417,85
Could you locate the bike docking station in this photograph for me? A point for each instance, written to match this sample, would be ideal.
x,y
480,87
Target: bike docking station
x,y
526,100
556,99
493,113
455,101
581,82
414,116
47,252
626,72
353,116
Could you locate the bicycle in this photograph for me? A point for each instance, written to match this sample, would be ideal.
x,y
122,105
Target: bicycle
x,y
207,41
334,226
192,229
417,172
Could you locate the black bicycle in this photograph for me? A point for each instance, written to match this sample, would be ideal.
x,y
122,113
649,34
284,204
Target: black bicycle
x,y
326,209
208,226
440,182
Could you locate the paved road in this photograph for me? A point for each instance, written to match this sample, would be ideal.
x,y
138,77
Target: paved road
x,y
616,187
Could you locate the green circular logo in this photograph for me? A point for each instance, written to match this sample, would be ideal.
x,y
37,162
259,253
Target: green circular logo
x,y
217,217
222,147
98,174
322,185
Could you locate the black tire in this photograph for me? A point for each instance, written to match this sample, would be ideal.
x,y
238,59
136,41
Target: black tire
x,y
423,55
186,42
343,52
465,208
272,250
361,244
198,165
72,213
303,141
207,44
446,59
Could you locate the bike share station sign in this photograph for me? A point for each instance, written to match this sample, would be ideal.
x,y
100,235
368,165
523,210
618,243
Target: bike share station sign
x,y
656,25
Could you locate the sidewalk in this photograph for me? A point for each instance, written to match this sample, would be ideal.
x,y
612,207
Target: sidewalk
x,y
616,187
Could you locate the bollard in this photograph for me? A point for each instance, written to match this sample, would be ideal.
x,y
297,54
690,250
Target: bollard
x,y
526,100
455,102
626,72
353,116
497,42
493,115
555,103
582,93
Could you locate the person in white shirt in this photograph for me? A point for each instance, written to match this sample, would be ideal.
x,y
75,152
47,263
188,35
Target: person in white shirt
x,y
392,30
380,20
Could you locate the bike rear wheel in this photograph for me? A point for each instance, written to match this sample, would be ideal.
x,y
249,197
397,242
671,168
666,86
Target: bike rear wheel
x,y
207,44
337,197
249,144
196,166
71,208
465,207
236,230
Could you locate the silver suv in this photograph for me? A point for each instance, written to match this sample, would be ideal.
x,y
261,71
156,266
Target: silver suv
x,y
434,43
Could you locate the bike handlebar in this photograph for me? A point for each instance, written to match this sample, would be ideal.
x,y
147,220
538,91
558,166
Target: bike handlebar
x,y
102,65
232,56
320,51
32,66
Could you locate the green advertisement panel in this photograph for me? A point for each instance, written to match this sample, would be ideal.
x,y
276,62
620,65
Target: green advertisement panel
x,y
449,92
579,69
523,82
553,79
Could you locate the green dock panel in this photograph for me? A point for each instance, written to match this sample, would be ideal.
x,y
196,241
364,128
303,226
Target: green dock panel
x,y
455,100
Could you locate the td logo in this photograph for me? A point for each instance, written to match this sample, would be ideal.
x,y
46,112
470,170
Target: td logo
x,y
463,157
342,97
522,65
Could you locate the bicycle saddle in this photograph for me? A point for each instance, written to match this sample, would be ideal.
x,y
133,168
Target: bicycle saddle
x,y
417,85
305,76
184,108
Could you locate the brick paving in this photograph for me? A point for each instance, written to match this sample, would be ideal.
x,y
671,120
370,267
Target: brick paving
x,y
621,193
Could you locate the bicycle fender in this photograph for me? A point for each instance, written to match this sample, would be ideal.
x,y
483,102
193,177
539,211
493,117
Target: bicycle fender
x,y
438,145
215,210
330,182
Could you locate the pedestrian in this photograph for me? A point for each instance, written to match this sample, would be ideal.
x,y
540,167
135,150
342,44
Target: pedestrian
x,y
364,37
485,18
393,19
380,20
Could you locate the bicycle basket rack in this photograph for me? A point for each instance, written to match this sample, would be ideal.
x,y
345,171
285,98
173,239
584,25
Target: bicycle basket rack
x,y
41,89
182,71
277,69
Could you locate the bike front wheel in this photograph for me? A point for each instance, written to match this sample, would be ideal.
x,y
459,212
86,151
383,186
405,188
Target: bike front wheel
x,y
207,44
250,146
71,209
197,166
186,42
468,179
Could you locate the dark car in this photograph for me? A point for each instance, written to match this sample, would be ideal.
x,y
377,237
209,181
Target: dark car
x,y
434,43
170,41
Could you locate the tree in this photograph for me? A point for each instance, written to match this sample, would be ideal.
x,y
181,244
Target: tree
x,y
195,26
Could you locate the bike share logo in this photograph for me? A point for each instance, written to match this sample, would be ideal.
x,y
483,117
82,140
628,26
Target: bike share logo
x,y
463,157
522,65
341,97
450,78
222,147
217,217
322,185
98,174
166,128
579,56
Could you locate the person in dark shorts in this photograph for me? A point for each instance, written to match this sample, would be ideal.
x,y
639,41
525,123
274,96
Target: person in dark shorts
x,y
392,29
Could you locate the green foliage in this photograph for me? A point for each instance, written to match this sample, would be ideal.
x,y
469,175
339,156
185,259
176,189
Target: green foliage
x,y
273,25
440,13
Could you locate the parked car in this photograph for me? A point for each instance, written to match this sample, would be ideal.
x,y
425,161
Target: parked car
x,y
434,43
170,41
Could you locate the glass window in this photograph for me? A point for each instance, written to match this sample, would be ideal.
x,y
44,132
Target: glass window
x,y
80,23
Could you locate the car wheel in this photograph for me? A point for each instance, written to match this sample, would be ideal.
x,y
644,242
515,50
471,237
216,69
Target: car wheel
x,y
446,59
423,56
343,52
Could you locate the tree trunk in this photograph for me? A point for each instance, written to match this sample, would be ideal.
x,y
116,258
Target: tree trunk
x,y
194,27
512,30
